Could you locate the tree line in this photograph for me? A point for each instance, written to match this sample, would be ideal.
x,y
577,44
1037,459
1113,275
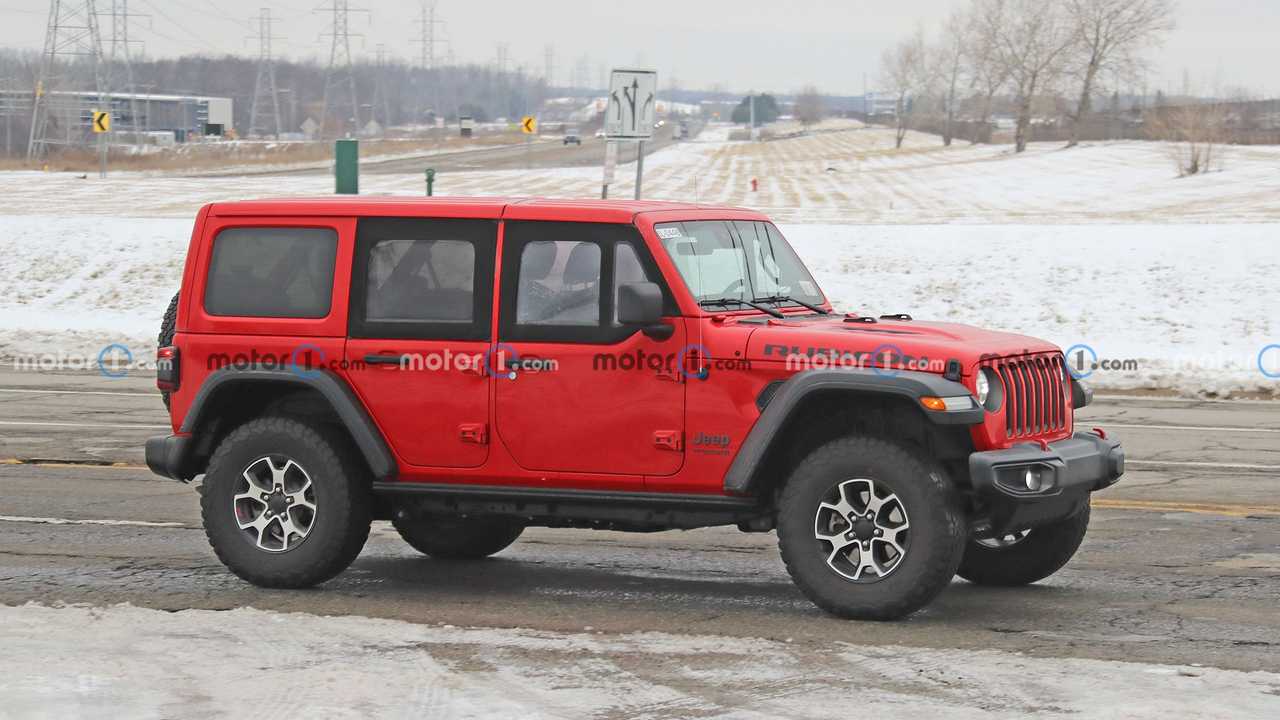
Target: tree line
x,y
1040,53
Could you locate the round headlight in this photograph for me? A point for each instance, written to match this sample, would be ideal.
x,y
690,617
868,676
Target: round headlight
x,y
990,390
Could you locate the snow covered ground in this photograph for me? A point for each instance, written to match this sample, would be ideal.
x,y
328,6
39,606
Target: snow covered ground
x,y
1194,314
1100,246
138,663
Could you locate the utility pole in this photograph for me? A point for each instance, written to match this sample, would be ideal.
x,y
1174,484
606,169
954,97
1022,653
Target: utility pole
x,y
500,58
381,98
549,65
340,71
266,96
72,34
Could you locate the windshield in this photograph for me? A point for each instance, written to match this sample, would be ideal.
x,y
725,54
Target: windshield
x,y
737,261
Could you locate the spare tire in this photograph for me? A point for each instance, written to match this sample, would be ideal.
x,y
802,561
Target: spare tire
x,y
168,326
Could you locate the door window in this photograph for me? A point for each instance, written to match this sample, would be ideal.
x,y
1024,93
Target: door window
x,y
426,279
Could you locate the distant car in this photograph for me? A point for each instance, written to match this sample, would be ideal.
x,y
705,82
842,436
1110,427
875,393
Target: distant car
x,y
600,134
572,136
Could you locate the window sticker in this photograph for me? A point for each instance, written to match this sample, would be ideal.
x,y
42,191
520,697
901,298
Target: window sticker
x,y
669,233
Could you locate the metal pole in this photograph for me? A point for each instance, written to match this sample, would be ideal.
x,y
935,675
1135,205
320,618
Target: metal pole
x,y
102,155
639,167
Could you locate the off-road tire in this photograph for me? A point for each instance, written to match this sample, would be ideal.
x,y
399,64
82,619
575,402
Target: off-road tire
x,y
341,487
457,538
930,500
168,326
1043,552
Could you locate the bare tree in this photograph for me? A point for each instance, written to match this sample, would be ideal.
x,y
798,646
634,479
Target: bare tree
x,y
905,73
988,75
1031,39
1192,132
1110,33
809,108
951,58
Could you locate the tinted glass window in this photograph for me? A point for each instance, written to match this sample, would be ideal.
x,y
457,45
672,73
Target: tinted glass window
x,y
626,269
272,272
421,281
559,284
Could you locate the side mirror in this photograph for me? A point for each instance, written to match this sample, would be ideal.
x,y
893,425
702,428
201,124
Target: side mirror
x,y
640,304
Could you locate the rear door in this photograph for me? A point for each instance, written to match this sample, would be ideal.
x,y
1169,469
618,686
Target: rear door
x,y
420,317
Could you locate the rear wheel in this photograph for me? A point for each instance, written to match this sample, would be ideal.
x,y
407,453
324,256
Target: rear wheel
x,y
284,505
1027,556
450,538
870,530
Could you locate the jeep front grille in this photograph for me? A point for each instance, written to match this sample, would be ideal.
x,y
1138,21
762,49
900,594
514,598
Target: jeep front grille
x,y
1035,394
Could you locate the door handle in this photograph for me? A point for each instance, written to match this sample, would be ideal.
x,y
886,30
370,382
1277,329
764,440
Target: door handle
x,y
396,360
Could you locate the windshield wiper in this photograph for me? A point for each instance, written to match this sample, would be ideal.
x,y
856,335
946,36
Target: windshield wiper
x,y
725,302
779,299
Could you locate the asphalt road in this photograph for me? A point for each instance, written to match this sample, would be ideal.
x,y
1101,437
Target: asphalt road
x,y
1182,563
543,152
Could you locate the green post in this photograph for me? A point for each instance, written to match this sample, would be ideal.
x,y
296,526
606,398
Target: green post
x,y
431,181
346,167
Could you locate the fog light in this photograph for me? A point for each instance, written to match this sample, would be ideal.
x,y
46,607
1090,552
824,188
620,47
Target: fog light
x,y
1033,480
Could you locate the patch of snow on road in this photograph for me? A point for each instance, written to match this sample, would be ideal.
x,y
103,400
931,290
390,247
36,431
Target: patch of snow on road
x,y
124,661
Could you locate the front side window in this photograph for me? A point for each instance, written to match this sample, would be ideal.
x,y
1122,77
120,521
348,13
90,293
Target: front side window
x,y
271,272
559,284
723,262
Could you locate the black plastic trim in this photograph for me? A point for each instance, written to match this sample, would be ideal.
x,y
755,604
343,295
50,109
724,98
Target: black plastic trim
x,y
166,455
339,395
1082,462
908,384
543,495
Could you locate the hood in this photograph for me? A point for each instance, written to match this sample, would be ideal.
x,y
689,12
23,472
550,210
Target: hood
x,y
925,346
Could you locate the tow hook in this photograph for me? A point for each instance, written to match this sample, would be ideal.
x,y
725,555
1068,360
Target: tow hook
x,y
1099,432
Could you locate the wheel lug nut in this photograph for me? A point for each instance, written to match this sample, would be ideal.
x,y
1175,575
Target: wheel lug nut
x,y
879,532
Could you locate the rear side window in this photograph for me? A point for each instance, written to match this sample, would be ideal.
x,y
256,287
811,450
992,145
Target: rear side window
x,y
272,272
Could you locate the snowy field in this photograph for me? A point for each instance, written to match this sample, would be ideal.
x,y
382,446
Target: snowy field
x,y
293,665
1101,246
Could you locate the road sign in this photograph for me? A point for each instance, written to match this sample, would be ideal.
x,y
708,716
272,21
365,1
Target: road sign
x,y
101,122
632,107
528,124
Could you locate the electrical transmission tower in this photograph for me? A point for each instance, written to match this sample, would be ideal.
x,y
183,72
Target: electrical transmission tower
x,y
120,58
264,113
426,39
340,77
72,35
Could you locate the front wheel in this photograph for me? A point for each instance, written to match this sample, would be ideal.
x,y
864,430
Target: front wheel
x,y
869,530
1025,557
447,538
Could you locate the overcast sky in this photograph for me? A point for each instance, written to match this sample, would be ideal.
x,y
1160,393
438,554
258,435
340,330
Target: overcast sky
x,y
778,45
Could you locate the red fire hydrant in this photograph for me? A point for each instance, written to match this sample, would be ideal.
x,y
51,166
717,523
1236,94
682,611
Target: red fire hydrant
x,y
755,185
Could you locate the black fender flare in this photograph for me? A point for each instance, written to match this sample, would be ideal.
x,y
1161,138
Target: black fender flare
x,y
350,411
785,398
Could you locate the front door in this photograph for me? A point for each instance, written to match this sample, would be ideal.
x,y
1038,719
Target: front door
x,y
421,310
577,391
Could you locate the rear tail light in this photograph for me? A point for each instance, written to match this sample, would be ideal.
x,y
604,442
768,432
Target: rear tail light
x,y
167,368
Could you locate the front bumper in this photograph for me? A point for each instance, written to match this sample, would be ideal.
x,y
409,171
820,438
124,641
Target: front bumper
x,y
1034,484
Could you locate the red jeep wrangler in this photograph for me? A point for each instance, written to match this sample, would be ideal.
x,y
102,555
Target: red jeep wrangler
x,y
467,368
